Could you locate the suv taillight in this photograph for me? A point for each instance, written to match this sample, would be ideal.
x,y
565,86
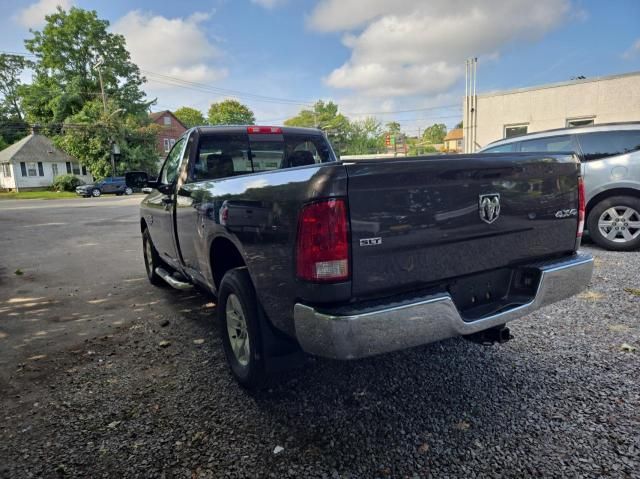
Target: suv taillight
x,y
322,249
581,206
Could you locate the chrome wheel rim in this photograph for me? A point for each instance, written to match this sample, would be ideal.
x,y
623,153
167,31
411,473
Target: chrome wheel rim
x,y
148,257
128,191
619,224
95,193
237,329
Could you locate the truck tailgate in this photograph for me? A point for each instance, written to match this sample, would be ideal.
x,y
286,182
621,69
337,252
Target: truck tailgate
x,y
417,221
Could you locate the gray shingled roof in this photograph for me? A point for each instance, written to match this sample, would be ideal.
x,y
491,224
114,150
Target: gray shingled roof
x,y
34,148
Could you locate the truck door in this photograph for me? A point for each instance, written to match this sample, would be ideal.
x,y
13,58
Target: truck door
x,y
217,157
161,202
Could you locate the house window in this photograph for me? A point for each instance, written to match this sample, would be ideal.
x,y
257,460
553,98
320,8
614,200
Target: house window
x,y
172,142
167,120
586,121
76,168
40,169
54,169
32,168
6,169
68,167
84,170
515,130
167,145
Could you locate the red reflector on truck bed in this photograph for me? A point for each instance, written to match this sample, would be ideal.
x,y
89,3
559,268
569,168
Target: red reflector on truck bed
x,y
322,248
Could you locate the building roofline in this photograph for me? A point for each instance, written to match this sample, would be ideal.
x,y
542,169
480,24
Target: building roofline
x,y
157,114
556,85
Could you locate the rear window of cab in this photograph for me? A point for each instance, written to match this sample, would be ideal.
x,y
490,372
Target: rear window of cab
x,y
222,155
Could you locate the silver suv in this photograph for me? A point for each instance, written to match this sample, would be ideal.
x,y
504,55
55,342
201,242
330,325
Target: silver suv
x,y
610,155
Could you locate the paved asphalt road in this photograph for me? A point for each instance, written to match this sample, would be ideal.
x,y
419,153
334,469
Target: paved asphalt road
x,y
81,267
103,375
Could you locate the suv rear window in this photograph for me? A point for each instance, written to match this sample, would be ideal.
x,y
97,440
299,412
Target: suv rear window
x,y
608,143
224,155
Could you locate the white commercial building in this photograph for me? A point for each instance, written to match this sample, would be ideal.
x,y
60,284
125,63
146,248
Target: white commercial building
x,y
503,114
33,163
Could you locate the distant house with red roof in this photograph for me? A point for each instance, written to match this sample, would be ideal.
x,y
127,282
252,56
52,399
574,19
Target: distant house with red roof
x,y
170,130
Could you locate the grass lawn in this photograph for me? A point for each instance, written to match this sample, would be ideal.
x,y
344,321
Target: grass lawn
x,y
38,195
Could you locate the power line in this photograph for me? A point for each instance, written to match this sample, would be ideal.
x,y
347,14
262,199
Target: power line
x,y
206,88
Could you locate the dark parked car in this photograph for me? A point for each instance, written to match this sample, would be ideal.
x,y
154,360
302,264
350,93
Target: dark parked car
x,y
349,259
111,185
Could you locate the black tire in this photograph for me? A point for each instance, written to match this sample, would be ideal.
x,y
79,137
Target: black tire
x,y
619,203
96,192
237,282
151,260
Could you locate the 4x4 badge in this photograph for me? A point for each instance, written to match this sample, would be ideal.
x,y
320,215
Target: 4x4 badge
x,y
489,207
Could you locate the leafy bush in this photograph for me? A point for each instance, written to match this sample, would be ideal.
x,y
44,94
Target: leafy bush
x,y
66,183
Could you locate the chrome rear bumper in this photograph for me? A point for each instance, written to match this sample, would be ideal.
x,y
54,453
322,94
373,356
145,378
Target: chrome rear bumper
x,y
432,318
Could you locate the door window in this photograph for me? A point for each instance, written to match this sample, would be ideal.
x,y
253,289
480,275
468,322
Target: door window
x,y
54,169
551,143
608,143
172,164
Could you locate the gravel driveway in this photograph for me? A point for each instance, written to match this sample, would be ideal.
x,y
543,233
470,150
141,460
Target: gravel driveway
x,y
152,399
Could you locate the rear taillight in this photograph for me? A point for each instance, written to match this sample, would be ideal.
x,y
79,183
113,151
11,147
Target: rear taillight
x,y
322,249
581,206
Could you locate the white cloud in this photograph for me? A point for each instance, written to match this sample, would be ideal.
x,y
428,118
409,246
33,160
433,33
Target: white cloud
x,y
409,47
176,47
632,51
33,15
269,4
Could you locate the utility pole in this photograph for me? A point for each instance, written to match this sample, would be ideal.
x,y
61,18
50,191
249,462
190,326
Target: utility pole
x,y
98,66
470,105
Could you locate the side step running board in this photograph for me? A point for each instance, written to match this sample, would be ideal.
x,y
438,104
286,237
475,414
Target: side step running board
x,y
171,281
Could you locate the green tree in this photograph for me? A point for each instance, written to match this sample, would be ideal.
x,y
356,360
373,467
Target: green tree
x,y
326,117
435,133
76,57
365,136
230,112
190,117
393,128
89,135
12,124
73,49
459,124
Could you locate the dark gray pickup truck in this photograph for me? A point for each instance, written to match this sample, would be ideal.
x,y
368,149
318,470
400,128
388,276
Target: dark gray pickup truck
x,y
350,259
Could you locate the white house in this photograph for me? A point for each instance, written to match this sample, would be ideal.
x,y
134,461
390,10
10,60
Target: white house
x,y
33,163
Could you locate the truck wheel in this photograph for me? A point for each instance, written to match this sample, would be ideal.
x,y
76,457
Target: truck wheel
x,y
151,260
239,321
128,191
614,223
95,192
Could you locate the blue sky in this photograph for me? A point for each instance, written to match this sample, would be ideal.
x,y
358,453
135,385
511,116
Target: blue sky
x,y
370,56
